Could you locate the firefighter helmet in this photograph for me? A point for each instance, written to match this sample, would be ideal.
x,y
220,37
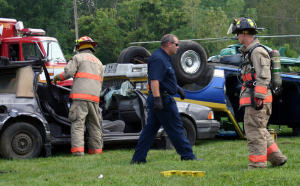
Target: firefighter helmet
x,y
85,42
243,25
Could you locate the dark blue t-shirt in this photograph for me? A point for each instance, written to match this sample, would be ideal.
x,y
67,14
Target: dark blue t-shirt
x,y
160,68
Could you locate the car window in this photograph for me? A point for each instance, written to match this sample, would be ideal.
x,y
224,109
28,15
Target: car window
x,y
14,52
31,51
8,83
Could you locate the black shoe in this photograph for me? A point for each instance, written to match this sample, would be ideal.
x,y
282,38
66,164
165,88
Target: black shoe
x,y
282,163
137,162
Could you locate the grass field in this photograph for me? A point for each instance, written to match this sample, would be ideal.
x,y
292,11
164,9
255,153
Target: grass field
x,y
225,163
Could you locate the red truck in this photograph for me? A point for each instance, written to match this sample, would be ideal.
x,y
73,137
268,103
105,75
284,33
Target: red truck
x,y
20,44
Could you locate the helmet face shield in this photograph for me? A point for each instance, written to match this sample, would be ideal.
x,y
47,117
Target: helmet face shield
x,y
231,28
241,25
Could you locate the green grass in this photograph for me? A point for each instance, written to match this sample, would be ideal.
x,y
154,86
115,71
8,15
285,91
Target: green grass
x,y
225,164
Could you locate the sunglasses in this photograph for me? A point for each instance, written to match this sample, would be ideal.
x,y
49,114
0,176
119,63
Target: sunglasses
x,y
176,44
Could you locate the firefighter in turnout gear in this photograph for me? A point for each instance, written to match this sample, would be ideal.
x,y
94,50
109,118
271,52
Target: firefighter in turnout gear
x,y
87,71
256,96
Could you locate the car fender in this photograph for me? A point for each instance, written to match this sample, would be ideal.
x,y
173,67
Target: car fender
x,y
194,111
14,114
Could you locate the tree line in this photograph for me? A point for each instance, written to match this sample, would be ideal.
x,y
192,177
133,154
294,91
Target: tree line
x,y
116,23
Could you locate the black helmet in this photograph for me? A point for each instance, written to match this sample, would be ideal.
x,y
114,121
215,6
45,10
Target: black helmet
x,y
243,24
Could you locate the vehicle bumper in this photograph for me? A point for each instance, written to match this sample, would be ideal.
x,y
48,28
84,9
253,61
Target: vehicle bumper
x,y
207,129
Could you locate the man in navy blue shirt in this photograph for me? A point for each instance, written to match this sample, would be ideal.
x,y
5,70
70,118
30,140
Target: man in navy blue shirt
x,y
162,109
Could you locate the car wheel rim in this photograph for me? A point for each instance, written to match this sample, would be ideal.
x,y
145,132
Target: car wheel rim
x,y
22,143
190,62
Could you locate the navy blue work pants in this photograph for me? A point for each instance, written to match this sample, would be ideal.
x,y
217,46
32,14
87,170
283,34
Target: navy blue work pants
x,y
170,120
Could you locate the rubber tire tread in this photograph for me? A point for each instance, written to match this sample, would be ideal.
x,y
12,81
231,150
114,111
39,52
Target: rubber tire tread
x,y
190,129
132,52
182,77
8,134
191,133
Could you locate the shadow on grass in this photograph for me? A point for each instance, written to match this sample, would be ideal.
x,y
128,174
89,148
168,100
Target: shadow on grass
x,y
65,149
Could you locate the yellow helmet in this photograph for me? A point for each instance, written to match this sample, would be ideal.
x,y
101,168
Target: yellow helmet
x,y
85,42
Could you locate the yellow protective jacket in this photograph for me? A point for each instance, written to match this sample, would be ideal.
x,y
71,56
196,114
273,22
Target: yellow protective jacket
x,y
87,72
261,73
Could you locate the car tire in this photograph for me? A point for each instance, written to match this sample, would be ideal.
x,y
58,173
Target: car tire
x,y
134,55
189,62
203,81
20,140
189,132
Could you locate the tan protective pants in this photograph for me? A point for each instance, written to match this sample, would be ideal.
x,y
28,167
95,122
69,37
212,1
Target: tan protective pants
x,y
261,146
86,114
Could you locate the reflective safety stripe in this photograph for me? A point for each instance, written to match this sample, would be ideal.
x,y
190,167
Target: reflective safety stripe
x,y
272,148
247,100
248,77
261,89
268,99
77,149
62,76
258,158
88,75
85,97
243,87
95,151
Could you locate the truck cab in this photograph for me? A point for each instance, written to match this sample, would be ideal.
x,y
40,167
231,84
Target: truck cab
x,y
21,44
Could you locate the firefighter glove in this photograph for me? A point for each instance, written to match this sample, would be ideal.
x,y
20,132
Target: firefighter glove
x,y
158,105
258,103
56,78
181,93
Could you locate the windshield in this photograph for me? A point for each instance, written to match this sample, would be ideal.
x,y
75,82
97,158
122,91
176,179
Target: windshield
x,y
31,51
55,54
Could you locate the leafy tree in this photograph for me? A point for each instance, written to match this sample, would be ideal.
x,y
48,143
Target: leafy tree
x,y
86,7
159,18
279,17
104,29
51,15
215,3
290,52
149,20
115,23
107,3
203,22
5,8
213,23
235,8
191,8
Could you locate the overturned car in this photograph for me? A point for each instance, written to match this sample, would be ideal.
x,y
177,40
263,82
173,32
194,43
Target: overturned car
x,y
31,124
216,83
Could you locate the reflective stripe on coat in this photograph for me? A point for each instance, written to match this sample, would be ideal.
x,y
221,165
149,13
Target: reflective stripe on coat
x,y
87,71
262,74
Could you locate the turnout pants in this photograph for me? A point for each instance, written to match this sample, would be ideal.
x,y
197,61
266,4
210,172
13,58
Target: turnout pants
x,y
170,120
86,114
261,145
